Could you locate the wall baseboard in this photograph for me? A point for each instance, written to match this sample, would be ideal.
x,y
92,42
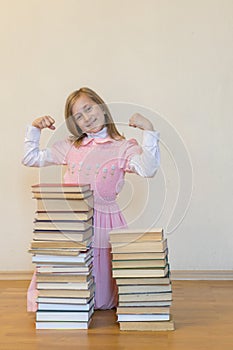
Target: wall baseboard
x,y
16,275
202,275
175,275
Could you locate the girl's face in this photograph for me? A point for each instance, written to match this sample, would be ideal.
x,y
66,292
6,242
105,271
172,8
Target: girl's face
x,y
88,115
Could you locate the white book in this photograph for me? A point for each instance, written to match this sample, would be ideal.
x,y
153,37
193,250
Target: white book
x,y
65,307
64,269
68,300
148,317
62,325
61,316
81,258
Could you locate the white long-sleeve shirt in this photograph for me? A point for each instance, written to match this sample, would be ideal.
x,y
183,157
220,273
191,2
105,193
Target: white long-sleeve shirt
x,y
144,164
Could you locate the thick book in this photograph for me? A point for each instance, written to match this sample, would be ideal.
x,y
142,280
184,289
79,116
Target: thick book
x,y
140,247
64,269
64,285
63,236
139,256
56,251
65,307
143,310
83,257
142,272
60,187
143,281
63,215
147,326
124,264
61,244
143,303
144,288
53,293
73,205
61,195
167,296
62,225
63,277
68,301
136,235
69,316
143,317
62,325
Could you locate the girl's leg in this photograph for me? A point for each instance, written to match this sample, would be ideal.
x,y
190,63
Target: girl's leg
x,y
32,295
106,294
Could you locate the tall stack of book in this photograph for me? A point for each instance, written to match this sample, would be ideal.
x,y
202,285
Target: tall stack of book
x,y
63,254
141,269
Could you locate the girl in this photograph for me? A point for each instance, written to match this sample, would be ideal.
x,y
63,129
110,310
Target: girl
x,y
97,154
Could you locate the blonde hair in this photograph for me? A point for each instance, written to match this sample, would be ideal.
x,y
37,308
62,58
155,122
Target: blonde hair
x,y
77,134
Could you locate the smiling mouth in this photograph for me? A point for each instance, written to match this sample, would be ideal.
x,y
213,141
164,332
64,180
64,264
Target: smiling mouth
x,y
91,123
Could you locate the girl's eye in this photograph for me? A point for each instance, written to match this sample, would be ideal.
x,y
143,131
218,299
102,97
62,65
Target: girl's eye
x,y
89,108
77,116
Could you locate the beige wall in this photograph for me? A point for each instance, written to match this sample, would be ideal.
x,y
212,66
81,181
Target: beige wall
x,y
172,57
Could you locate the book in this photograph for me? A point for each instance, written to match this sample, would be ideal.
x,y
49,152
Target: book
x,y
167,296
144,288
64,285
70,316
139,303
61,195
63,215
139,256
63,236
143,281
122,264
143,317
62,325
72,205
140,247
143,310
63,277
66,307
135,235
60,187
148,326
61,244
56,251
53,293
83,257
58,300
62,225
64,269
142,272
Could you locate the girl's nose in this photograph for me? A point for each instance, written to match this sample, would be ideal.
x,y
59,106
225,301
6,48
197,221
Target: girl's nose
x,y
85,117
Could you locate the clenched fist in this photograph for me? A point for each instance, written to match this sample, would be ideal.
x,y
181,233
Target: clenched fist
x,y
44,122
138,121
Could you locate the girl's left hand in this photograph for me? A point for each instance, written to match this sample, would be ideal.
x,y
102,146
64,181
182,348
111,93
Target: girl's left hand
x,y
138,121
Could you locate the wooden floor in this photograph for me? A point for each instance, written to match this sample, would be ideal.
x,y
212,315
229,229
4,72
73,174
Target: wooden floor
x,y
202,310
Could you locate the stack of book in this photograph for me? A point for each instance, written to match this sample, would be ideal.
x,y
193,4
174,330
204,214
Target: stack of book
x,y
63,254
141,269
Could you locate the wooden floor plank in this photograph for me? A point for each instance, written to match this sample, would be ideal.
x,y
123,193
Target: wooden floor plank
x,y
202,310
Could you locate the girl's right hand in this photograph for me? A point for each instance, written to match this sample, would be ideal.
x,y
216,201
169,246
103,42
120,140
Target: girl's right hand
x,y
44,122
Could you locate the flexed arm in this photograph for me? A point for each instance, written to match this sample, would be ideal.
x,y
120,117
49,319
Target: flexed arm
x,y
147,163
33,156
